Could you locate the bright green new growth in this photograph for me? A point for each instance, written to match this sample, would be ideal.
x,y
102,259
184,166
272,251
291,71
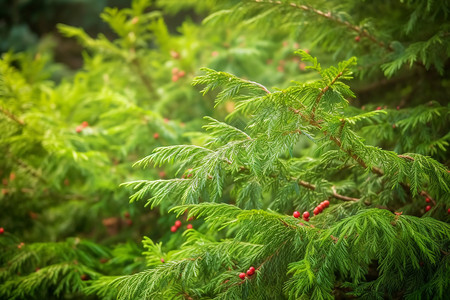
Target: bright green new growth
x,y
257,163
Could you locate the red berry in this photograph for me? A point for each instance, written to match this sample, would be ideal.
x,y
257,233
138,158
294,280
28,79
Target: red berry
x,y
156,135
379,107
175,78
162,260
242,276
79,129
127,215
252,269
173,228
129,222
305,215
398,107
174,54
427,200
12,176
448,212
181,73
2,230
84,124
296,214
326,203
316,211
178,223
357,38
189,226
320,208
427,208
175,71
250,272
162,174
84,277
214,53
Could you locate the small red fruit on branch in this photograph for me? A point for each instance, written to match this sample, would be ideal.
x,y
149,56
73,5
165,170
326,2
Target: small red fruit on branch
x,y
126,215
189,226
173,228
357,38
250,271
2,230
427,208
427,200
296,214
242,276
156,135
178,223
316,211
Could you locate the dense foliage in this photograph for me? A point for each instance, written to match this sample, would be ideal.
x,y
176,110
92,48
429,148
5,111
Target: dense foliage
x,y
321,170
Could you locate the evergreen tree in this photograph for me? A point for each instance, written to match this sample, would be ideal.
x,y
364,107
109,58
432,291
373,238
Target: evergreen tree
x,y
313,179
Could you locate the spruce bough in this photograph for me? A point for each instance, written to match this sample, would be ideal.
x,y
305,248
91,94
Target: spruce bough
x,y
364,243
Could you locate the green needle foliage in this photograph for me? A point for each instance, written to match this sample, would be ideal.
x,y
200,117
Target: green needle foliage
x,y
334,111
258,162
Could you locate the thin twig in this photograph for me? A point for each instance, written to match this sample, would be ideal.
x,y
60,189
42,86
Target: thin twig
x,y
322,92
11,116
327,15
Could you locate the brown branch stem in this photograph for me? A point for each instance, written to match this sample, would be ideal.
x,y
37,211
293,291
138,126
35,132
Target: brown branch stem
x,y
322,92
333,189
327,15
11,116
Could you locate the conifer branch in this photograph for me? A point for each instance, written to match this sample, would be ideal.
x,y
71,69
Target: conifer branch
x,y
322,92
335,194
329,16
260,85
11,116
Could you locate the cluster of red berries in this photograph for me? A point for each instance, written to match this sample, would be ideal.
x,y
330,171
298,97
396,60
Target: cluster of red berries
x,y
177,74
127,218
428,207
296,215
249,273
81,127
177,225
319,208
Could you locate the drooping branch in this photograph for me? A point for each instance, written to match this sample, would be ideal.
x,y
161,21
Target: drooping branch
x,y
327,15
358,159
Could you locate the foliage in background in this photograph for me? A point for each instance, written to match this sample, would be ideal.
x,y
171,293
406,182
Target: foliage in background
x,y
287,133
